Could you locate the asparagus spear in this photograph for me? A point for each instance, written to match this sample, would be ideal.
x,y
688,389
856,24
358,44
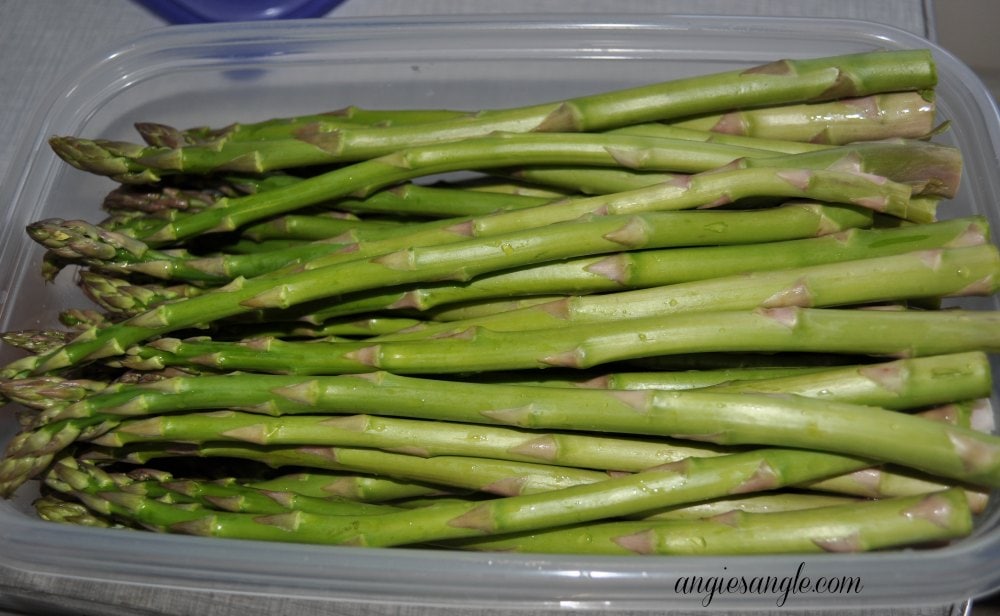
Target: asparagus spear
x,y
922,274
902,114
604,234
410,436
814,80
121,296
588,344
320,227
96,247
689,481
874,525
231,496
37,340
909,163
898,384
364,488
649,268
79,241
53,509
159,134
901,384
874,117
438,202
724,418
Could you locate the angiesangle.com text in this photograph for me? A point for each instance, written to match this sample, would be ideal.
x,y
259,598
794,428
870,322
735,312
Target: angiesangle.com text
x,y
780,587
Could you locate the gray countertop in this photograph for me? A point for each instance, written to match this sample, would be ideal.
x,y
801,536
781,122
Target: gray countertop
x,y
40,39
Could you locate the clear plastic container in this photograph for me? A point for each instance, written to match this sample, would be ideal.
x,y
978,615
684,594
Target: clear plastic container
x,y
198,75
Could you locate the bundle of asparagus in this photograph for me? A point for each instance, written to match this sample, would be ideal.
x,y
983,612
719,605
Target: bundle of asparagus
x,y
709,315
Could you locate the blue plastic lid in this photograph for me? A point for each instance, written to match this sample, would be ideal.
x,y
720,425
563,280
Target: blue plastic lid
x,y
200,11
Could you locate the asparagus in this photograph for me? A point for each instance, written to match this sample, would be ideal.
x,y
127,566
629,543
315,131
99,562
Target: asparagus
x,y
902,384
159,134
478,473
765,502
81,242
525,240
231,496
320,227
861,527
587,180
814,80
78,240
23,454
604,234
723,418
922,274
920,163
37,340
410,436
903,114
689,481
709,189
589,344
48,392
898,384
363,488
121,296
649,268
874,117
53,509
412,199
663,379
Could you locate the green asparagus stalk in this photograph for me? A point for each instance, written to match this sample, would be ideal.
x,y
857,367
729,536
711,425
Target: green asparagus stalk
x,y
902,114
673,131
410,436
873,525
923,274
898,384
924,164
53,509
497,476
902,384
667,380
589,344
722,418
765,502
814,80
702,190
87,244
587,180
48,392
363,488
37,340
689,481
230,496
604,234
478,473
162,202
321,227
77,240
412,199
159,134
650,268
121,296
